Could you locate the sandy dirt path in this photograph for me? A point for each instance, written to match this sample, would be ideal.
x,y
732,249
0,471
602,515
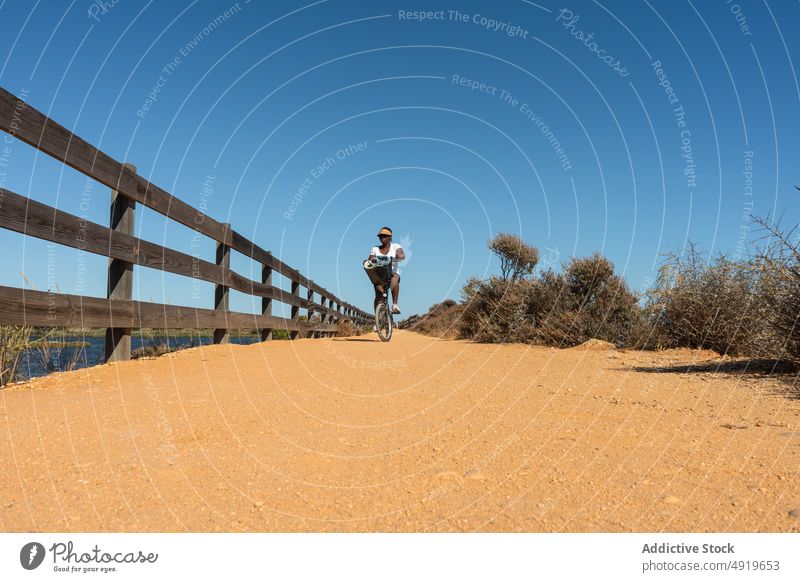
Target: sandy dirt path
x,y
351,434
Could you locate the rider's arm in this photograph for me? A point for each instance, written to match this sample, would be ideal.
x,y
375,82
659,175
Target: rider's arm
x,y
401,256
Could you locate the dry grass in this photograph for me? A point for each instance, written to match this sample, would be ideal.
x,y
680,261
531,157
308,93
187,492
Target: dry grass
x,y
586,301
14,340
347,329
748,307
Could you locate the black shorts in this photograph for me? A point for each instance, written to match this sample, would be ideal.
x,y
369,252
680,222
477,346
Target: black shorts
x,y
375,286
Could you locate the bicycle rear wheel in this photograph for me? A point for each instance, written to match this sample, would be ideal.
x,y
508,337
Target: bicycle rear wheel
x,y
383,321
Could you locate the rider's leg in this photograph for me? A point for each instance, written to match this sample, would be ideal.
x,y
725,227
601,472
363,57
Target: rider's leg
x,y
395,286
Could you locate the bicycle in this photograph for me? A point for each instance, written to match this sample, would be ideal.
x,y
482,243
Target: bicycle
x,y
379,271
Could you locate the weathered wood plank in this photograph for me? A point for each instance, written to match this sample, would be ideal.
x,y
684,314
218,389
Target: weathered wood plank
x,y
41,308
31,126
27,216
250,249
162,201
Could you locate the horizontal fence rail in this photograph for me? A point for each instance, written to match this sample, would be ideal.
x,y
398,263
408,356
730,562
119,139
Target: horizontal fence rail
x,y
118,312
41,308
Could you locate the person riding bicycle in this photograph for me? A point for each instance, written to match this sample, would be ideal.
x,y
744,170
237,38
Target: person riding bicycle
x,y
386,250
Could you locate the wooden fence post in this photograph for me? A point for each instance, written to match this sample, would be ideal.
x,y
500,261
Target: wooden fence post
x,y
323,317
295,309
328,317
334,319
221,292
310,311
120,273
266,303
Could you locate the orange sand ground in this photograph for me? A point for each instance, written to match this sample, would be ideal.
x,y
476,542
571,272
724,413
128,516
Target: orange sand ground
x,y
351,434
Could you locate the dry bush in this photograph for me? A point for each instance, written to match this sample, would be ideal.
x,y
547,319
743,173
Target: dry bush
x,y
778,264
546,309
496,310
517,258
745,307
720,305
586,301
345,328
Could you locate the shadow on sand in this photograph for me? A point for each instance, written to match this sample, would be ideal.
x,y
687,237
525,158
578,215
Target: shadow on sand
x,y
785,372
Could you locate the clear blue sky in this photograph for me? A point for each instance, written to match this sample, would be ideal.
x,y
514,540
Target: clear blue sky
x,y
460,117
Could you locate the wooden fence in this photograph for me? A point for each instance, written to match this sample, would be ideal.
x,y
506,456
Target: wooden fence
x,y
118,313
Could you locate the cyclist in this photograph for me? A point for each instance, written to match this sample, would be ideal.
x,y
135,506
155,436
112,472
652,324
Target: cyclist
x,y
393,250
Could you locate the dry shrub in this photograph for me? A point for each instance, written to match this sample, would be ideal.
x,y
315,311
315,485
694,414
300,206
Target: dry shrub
x,y
517,258
784,311
496,310
345,328
744,307
720,305
778,264
586,301
589,301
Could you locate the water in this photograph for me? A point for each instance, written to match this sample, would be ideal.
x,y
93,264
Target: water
x,y
91,354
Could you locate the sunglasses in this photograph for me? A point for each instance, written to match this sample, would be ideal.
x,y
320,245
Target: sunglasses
x,y
384,236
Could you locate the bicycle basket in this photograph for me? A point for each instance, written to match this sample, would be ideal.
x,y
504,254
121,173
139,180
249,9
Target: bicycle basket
x,y
379,275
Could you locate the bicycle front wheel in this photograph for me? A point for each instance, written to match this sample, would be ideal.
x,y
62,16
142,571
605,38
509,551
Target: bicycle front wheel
x,y
383,321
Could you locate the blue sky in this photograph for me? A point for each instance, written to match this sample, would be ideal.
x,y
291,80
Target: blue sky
x,y
622,127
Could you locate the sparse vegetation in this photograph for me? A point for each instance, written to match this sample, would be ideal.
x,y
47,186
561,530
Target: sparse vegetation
x,y
739,307
517,258
779,263
280,334
347,329
743,307
585,301
496,310
14,340
719,304
57,350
